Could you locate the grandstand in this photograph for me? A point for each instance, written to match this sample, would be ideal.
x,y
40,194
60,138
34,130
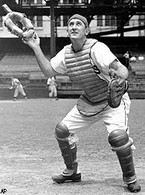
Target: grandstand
x,y
17,59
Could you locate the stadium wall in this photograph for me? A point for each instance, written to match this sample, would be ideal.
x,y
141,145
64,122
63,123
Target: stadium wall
x,y
36,88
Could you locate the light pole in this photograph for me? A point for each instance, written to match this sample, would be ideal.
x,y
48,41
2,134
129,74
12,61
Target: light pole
x,y
52,4
52,34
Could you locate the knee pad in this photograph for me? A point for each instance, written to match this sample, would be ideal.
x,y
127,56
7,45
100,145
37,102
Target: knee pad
x,y
121,143
119,140
67,144
61,131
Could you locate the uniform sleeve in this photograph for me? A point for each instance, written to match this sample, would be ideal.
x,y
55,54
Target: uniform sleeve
x,y
48,81
58,62
102,56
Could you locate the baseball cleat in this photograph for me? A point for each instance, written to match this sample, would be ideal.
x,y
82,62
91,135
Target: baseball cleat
x,y
62,178
134,187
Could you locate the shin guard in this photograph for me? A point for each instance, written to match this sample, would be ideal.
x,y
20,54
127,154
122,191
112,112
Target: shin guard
x,y
121,144
67,144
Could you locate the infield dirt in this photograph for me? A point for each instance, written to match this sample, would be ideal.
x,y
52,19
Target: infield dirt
x,y
29,153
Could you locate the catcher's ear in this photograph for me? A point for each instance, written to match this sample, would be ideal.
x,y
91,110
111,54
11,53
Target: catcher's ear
x,y
87,31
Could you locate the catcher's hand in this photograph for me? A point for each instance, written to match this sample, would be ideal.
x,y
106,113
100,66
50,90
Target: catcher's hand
x,y
18,24
115,92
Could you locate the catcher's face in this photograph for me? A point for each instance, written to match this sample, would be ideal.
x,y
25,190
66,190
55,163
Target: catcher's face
x,y
77,29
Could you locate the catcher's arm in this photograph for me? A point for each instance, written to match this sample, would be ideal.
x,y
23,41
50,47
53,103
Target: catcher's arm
x,y
118,84
118,71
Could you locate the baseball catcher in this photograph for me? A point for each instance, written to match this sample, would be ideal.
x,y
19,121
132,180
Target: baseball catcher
x,y
90,64
18,24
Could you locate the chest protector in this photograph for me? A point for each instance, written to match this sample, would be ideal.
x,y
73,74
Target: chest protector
x,y
82,72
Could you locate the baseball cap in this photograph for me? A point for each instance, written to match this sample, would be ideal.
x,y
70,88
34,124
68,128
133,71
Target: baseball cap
x,y
80,17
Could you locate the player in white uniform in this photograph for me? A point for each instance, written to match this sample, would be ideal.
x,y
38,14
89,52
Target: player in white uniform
x,y
91,64
51,83
16,84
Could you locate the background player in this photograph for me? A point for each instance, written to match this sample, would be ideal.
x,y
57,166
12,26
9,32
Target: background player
x,y
16,84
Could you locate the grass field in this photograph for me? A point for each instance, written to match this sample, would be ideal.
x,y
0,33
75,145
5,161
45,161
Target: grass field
x,y
29,153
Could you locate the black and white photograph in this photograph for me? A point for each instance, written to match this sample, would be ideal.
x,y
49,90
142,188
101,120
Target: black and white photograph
x,y
72,97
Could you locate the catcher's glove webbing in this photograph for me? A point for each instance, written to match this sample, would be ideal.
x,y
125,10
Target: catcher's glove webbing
x,y
115,92
17,23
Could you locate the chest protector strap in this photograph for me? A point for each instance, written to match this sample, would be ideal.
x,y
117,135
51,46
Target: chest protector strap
x,y
81,71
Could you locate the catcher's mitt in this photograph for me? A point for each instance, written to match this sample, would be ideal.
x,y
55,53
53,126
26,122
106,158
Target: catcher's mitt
x,y
115,92
17,23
